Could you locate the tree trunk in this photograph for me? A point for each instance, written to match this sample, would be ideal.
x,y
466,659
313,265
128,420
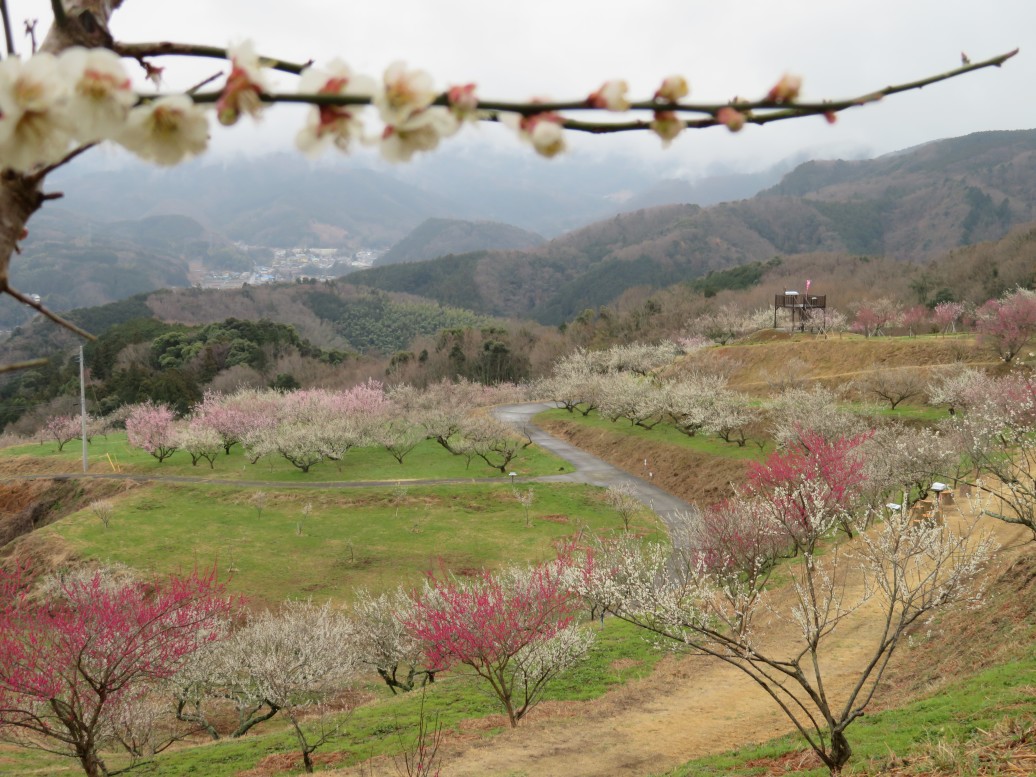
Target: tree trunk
x,y
839,753
92,765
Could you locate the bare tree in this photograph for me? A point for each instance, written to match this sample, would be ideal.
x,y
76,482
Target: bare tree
x,y
910,568
623,500
895,386
525,499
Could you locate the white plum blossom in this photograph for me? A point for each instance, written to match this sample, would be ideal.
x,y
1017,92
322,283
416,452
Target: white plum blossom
x,y
611,96
421,132
336,125
404,93
167,130
34,125
548,138
673,89
101,92
543,130
667,125
463,102
244,85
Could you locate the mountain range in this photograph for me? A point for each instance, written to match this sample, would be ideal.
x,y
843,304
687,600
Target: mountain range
x,y
122,231
910,206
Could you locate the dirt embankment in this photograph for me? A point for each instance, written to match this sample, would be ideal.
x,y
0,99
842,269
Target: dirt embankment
x,y
27,505
694,477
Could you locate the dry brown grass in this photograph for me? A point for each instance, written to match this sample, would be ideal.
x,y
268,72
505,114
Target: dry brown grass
x,y
762,359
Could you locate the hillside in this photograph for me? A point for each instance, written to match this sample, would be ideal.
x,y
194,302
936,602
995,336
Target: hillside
x,y
644,714
959,191
438,237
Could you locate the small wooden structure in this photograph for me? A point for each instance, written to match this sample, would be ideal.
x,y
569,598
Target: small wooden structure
x,y
806,310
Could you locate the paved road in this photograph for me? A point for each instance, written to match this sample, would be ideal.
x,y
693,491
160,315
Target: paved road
x,y
589,468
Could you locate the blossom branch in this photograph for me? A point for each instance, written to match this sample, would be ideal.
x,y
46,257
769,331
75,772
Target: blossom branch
x,y
778,109
140,51
8,37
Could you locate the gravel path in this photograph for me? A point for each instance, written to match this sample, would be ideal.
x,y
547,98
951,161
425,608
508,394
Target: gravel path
x,y
589,468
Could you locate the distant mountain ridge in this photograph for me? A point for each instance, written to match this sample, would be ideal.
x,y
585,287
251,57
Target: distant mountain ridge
x,y
910,206
438,237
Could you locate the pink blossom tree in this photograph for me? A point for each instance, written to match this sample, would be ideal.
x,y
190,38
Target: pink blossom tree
x,y
915,319
947,315
66,664
515,630
63,429
151,427
1009,323
231,417
871,319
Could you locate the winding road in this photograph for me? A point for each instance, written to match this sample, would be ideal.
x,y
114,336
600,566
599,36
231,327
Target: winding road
x,y
589,468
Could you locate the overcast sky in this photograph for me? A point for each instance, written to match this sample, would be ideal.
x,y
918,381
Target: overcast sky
x,y
566,48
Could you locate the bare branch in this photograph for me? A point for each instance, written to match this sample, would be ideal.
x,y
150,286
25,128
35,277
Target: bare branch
x,y
39,175
26,300
139,51
22,365
8,36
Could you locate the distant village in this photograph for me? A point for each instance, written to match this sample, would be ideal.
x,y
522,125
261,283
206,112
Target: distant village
x,y
290,264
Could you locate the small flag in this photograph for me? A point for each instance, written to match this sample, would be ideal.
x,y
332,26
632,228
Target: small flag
x,y
808,282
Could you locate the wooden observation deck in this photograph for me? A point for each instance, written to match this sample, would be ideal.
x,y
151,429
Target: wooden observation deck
x,y
805,309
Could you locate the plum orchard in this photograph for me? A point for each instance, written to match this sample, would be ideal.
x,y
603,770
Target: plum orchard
x,y
76,92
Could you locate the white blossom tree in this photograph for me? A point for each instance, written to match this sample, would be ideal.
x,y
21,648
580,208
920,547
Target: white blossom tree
x,y
199,441
290,660
998,437
815,409
382,641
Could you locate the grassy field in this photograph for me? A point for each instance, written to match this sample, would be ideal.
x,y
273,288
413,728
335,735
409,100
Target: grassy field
x,y
356,537
429,460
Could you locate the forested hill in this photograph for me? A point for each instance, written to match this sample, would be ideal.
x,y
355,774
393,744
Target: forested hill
x,y
438,237
910,206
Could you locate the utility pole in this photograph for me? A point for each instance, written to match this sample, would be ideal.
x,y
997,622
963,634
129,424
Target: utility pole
x,y
82,402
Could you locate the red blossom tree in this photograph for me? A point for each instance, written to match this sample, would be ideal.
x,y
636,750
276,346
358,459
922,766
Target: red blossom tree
x,y
514,629
68,665
835,465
